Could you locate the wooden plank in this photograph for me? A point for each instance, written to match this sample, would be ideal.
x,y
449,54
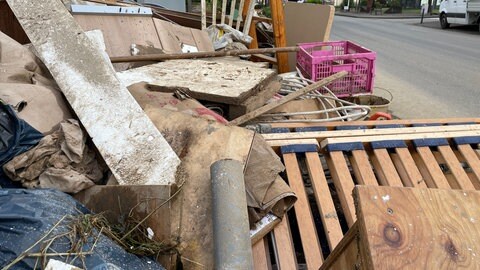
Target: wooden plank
x,y
130,144
270,106
166,34
369,132
326,207
224,8
202,42
248,19
232,12
278,143
216,80
346,255
461,179
214,13
373,123
278,21
432,173
285,254
473,161
260,255
410,228
306,226
240,14
387,174
343,184
204,13
121,31
362,168
431,135
406,167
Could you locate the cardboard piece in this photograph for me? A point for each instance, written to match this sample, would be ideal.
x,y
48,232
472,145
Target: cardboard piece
x,y
131,146
307,23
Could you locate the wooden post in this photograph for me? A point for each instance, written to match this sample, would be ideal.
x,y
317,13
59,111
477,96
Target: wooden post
x,y
279,33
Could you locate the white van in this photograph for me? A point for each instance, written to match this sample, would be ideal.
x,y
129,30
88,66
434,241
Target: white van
x,y
459,12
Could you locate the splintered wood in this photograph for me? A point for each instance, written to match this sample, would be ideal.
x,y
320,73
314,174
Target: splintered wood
x,y
131,146
224,81
326,161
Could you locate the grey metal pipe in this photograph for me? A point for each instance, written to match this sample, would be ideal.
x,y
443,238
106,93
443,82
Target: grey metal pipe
x,y
231,236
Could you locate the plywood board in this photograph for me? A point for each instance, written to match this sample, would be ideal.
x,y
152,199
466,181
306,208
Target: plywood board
x,y
307,23
229,82
416,228
121,31
131,146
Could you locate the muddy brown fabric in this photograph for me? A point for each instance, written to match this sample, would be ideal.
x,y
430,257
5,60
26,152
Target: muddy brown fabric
x,y
199,143
61,160
266,190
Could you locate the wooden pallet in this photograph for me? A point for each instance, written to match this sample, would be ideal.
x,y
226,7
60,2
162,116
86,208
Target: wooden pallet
x,y
322,168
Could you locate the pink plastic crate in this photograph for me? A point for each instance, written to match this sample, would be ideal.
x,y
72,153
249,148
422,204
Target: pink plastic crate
x,y
322,59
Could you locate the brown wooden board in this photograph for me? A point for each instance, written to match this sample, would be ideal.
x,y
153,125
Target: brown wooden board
x,y
409,228
305,22
308,234
329,216
343,183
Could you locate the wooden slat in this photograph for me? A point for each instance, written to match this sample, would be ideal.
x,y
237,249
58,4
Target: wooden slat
x,y
310,242
278,143
343,183
248,18
346,255
326,207
232,12
432,173
204,14
362,168
369,132
373,123
472,160
260,255
224,9
403,137
407,169
284,252
214,13
278,20
240,14
461,179
386,172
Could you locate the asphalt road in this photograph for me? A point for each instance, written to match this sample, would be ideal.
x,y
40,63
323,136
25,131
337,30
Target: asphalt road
x,y
432,73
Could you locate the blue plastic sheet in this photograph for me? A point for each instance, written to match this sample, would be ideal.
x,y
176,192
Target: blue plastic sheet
x,y
27,215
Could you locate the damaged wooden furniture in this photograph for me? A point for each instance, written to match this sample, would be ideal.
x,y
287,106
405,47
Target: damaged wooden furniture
x,y
410,228
325,161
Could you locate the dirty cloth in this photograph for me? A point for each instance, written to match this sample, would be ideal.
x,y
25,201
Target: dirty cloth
x,y
266,190
24,80
61,161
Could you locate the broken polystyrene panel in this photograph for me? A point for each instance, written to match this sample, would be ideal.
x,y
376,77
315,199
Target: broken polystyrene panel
x,y
86,9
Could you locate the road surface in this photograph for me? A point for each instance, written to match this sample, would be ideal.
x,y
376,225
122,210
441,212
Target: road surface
x,y
432,73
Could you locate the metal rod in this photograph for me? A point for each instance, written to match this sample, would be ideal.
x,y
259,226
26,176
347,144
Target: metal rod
x,y
231,234
194,55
